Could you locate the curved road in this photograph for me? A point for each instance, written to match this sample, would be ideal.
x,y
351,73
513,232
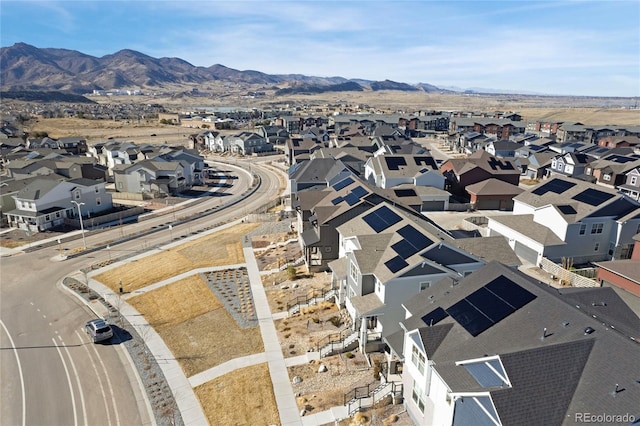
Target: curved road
x,y
51,373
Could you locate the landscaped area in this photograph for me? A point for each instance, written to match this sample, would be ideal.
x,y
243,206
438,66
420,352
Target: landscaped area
x,y
243,397
218,249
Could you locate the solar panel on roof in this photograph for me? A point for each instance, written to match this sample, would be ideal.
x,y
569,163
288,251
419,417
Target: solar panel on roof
x,y
566,209
474,321
490,305
556,186
337,200
435,316
414,237
396,264
510,292
404,192
394,163
381,219
359,191
352,199
593,197
404,249
345,182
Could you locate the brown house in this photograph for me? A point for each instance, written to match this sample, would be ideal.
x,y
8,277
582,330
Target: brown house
x,y
478,167
493,194
619,141
621,273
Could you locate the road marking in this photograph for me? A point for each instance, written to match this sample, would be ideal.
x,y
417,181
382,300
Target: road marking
x,y
37,309
75,373
66,370
31,303
106,374
104,395
15,351
44,316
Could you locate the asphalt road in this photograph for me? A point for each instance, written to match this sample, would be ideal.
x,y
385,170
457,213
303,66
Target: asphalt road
x,y
50,371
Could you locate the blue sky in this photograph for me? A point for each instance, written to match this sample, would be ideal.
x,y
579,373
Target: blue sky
x,y
552,47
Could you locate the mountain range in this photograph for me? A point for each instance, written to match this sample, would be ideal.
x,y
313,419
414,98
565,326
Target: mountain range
x,y
29,68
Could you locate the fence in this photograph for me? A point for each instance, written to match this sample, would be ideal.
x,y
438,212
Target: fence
x,y
311,298
371,394
565,276
100,220
460,207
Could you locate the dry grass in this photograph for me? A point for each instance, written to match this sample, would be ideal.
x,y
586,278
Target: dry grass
x,y
195,326
243,397
218,249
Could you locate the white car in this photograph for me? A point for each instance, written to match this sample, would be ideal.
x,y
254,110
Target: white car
x,y
98,330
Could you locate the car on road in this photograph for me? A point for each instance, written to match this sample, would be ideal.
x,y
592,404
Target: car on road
x,y
99,330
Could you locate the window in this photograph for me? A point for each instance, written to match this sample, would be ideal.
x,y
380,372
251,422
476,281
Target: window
x,y
47,218
354,271
606,177
425,285
596,228
97,189
76,195
596,247
588,171
633,180
418,396
417,358
98,201
119,185
583,228
57,214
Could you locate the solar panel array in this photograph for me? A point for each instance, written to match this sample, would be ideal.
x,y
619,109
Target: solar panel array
x,y
489,305
593,197
381,219
404,192
567,209
435,316
343,183
556,186
396,264
394,163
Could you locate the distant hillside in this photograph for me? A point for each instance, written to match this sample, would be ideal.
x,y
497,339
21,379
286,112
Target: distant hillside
x,y
311,88
46,97
28,68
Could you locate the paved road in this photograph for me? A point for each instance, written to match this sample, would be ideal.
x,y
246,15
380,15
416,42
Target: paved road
x,y
51,373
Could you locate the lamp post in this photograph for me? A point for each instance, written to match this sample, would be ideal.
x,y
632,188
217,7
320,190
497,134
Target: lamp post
x,y
109,250
84,242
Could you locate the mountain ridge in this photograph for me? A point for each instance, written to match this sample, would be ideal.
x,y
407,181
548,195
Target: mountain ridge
x,y
29,68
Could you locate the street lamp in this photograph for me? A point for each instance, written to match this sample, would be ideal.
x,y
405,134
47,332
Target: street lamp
x,y
84,242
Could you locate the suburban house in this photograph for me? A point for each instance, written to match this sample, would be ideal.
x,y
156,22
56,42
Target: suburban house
x,y
537,164
612,170
391,256
153,178
631,185
275,135
45,203
492,194
619,141
72,167
477,167
567,218
502,148
10,187
422,199
498,348
569,164
624,274
298,149
388,171
501,128
319,173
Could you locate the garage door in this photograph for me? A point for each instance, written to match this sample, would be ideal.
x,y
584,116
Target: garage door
x,y
526,253
432,206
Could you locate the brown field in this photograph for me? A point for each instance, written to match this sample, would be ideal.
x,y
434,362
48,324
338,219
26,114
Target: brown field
x,y
243,397
218,249
195,325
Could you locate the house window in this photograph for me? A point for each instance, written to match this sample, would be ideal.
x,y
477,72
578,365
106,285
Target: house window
x,y
57,214
98,201
425,285
583,228
47,218
354,271
417,358
588,171
97,189
418,396
606,177
596,247
119,185
633,180
596,228
76,195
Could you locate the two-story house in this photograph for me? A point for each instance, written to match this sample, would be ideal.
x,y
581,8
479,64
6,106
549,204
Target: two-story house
x,y
631,185
568,218
477,167
500,349
388,171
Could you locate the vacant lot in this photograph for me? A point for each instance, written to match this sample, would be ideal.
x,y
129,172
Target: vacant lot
x,y
218,249
195,326
243,397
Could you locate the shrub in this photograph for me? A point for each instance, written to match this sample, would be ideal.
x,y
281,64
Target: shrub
x,y
292,273
349,355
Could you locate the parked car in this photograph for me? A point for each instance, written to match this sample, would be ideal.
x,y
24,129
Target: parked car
x,y
98,330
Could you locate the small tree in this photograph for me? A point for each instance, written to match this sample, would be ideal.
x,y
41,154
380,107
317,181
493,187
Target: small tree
x,y
292,273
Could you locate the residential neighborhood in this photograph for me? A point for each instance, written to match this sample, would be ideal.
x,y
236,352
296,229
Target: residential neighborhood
x,y
491,264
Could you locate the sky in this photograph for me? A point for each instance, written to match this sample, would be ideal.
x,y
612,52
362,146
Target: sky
x,y
578,47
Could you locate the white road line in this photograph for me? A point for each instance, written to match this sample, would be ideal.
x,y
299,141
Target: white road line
x,y
104,395
75,373
66,370
106,373
24,399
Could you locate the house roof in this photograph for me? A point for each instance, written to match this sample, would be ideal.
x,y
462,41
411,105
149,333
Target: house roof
x,y
37,189
316,170
554,367
627,268
489,249
493,186
524,224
